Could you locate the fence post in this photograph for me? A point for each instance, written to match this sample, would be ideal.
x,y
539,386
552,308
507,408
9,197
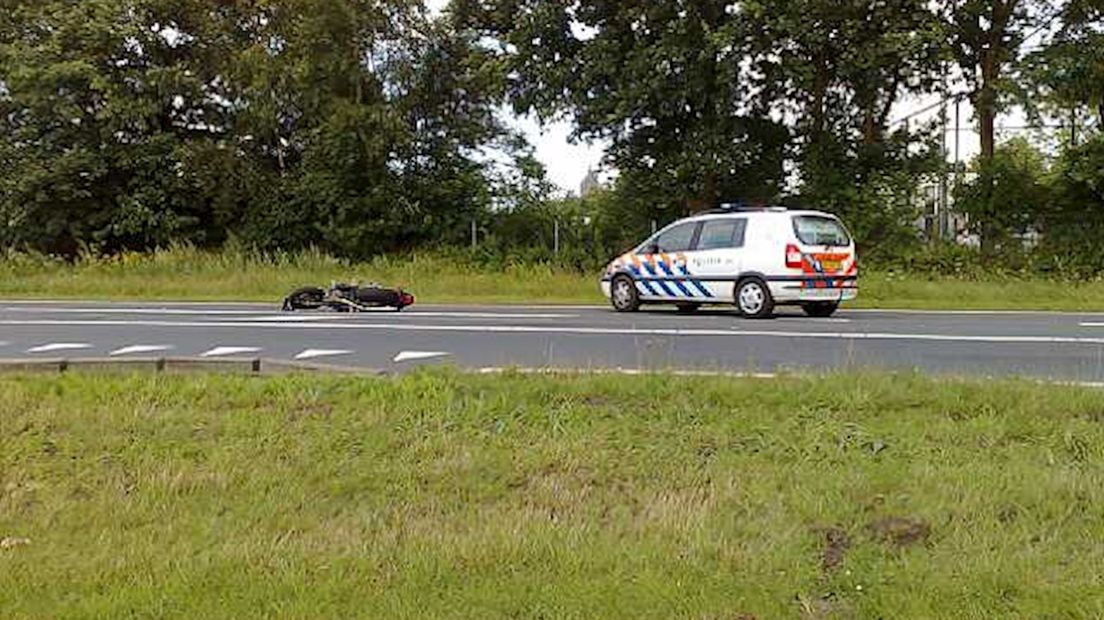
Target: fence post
x,y
556,237
474,234
655,226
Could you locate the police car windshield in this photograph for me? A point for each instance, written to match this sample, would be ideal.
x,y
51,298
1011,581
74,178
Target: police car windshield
x,y
820,230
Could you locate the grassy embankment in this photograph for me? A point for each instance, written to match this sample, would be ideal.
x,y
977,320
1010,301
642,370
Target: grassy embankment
x,y
441,495
185,274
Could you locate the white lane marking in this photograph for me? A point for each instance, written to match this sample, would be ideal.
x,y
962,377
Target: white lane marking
x,y
489,315
415,356
810,321
578,331
139,311
1092,325
257,315
140,348
224,351
60,346
311,354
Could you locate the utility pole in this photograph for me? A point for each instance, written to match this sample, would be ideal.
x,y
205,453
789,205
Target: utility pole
x,y
474,234
942,221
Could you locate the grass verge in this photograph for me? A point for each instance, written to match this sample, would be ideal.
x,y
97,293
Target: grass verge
x,y
189,274
439,495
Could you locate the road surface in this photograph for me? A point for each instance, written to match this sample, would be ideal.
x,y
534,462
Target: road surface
x,y
1068,347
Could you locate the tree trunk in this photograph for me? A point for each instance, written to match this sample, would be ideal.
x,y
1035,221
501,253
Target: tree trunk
x,y
820,96
987,103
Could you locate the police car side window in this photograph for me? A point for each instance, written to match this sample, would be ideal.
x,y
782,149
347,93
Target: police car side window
x,y
678,239
723,234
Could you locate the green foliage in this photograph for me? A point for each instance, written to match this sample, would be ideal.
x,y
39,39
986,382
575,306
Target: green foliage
x,y
350,126
661,81
1073,222
1007,195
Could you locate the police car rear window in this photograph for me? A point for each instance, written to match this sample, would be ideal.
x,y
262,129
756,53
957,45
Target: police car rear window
x,y
819,230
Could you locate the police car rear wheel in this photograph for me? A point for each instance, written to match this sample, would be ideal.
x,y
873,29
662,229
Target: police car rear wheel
x,y
623,295
754,300
821,310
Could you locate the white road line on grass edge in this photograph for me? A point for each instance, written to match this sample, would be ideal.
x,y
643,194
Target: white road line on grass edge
x,y
579,331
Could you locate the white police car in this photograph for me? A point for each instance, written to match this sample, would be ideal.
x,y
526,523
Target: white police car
x,y
756,259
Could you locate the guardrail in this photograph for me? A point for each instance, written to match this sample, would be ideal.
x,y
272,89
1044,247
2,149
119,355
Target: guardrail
x,y
177,365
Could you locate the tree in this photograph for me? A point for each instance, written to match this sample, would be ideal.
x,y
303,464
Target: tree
x,y
662,81
1008,195
1067,75
840,67
357,127
1073,221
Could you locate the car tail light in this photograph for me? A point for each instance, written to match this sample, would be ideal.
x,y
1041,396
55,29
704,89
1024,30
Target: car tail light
x,y
794,258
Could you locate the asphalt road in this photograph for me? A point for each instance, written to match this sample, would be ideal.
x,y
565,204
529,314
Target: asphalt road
x,y
1067,347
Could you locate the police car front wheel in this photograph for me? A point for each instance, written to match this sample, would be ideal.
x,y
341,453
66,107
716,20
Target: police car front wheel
x,y
623,295
753,299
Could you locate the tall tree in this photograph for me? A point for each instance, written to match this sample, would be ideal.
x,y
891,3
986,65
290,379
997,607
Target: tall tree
x,y
987,36
661,81
1067,75
839,67
350,125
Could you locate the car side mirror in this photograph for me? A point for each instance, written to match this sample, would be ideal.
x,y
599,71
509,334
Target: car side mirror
x,y
651,248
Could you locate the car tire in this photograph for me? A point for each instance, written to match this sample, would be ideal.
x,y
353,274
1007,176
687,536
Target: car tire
x,y
687,308
821,309
753,299
623,294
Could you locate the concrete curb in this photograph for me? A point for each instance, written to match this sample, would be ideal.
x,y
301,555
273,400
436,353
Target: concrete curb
x,y
178,365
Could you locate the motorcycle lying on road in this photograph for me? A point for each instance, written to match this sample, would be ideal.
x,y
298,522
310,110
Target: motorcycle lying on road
x,y
342,297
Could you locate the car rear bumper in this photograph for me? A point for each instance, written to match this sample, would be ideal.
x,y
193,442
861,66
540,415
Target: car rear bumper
x,y
789,292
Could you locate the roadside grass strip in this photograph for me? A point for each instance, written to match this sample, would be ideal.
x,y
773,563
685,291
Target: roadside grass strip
x,y
445,495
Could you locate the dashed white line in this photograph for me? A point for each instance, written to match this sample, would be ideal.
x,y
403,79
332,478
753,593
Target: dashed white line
x,y
580,331
140,348
311,354
60,346
225,351
417,356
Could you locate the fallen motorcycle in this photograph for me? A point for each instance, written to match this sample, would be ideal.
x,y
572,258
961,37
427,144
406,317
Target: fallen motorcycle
x,y
341,297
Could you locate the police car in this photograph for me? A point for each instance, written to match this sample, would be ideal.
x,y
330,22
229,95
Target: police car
x,y
757,259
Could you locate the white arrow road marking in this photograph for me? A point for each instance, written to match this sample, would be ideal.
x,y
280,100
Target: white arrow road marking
x,y
310,354
224,351
141,348
60,346
410,356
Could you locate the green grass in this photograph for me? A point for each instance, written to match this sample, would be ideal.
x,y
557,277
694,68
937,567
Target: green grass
x,y
447,496
189,274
